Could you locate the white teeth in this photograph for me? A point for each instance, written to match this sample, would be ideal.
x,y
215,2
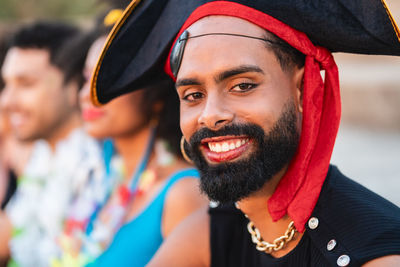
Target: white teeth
x,y
218,148
232,146
226,146
238,143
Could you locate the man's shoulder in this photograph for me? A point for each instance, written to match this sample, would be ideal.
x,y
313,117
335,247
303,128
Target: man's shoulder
x,y
347,197
79,142
353,221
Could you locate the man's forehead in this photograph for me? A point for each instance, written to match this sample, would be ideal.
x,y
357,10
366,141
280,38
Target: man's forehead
x,y
37,54
26,61
216,44
217,40
225,24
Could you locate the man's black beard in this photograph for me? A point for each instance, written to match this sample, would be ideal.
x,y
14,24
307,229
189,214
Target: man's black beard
x,y
232,181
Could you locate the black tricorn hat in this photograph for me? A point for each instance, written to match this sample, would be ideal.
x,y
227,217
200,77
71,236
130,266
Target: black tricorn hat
x,y
137,47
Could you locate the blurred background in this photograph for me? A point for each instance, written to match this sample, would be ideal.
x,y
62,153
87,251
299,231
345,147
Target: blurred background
x,y
368,144
15,12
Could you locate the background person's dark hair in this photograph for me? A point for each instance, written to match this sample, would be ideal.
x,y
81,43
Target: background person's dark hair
x,y
72,56
163,92
54,37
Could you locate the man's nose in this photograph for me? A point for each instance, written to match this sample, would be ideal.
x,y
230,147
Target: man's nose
x,y
216,113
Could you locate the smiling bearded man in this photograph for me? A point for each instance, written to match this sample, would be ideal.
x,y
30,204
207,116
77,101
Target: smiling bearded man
x,y
260,123
230,178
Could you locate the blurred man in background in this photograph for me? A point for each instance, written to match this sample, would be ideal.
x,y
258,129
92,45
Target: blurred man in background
x,y
42,71
14,154
4,183
36,84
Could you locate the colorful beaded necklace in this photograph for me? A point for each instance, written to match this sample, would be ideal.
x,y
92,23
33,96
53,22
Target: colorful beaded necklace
x,y
86,237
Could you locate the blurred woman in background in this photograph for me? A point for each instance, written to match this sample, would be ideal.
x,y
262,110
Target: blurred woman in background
x,y
148,188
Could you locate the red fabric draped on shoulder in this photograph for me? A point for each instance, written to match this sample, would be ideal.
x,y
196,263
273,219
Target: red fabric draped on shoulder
x,y
298,191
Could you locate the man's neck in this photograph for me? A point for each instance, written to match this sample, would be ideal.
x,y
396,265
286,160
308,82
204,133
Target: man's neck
x,y
131,148
74,121
255,207
257,201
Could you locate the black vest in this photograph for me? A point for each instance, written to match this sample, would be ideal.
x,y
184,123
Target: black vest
x,y
358,224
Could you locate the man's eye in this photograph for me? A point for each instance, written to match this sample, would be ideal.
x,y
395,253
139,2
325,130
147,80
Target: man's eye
x,y
243,87
193,96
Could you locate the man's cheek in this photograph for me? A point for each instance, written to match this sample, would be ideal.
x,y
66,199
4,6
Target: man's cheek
x,y
186,127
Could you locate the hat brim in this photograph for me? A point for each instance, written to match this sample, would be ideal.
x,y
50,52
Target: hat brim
x,y
137,46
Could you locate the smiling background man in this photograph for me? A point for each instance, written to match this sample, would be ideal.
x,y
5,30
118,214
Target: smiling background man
x,y
42,72
260,124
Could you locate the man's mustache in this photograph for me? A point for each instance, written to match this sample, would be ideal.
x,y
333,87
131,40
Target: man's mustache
x,y
250,130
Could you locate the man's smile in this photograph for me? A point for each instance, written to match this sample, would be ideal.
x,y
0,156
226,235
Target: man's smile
x,y
18,119
224,148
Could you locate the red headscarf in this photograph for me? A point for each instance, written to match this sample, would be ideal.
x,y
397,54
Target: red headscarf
x,y
298,191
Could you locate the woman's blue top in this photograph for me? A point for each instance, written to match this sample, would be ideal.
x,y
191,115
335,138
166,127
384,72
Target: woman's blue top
x,y
138,240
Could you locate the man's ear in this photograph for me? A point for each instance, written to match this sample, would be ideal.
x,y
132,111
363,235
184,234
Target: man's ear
x,y
298,74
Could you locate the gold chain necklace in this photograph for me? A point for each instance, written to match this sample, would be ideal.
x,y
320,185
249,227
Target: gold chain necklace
x,y
265,246
277,244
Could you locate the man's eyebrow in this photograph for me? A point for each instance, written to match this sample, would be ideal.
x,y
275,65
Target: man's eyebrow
x,y
237,70
221,76
187,81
